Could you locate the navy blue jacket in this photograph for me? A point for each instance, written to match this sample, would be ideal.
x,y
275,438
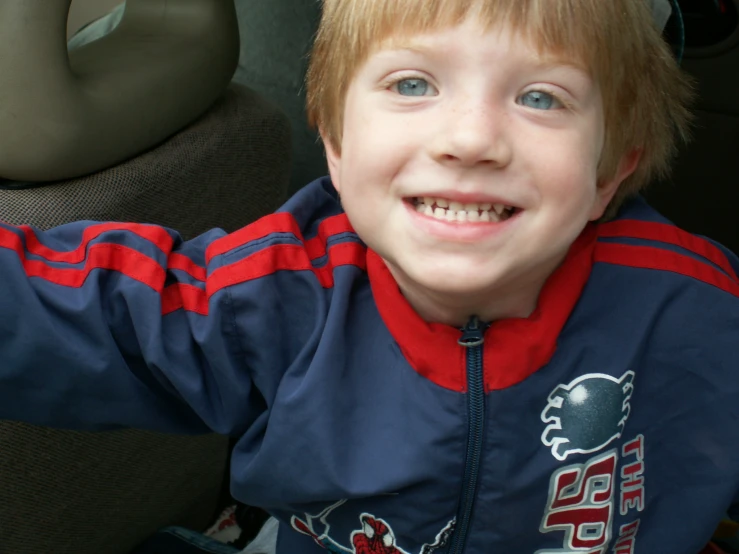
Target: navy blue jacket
x,y
608,421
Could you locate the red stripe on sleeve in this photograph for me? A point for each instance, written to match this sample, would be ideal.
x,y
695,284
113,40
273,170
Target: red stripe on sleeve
x,y
288,257
112,257
669,234
144,269
331,226
259,264
265,262
650,257
282,223
183,263
156,235
346,253
274,223
187,297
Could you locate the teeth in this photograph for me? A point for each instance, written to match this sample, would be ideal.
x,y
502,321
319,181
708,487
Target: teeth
x,y
441,208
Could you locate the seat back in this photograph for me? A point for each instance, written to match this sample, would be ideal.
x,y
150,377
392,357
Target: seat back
x,y
71,492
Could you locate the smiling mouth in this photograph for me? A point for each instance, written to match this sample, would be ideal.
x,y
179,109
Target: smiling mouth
x,y
457,212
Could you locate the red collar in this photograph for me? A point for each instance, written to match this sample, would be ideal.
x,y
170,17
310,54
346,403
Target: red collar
x,y
514,348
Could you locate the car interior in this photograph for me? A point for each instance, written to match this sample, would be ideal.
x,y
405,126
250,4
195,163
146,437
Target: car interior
x,y
701,194
66,492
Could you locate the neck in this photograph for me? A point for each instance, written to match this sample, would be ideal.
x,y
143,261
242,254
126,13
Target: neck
x,y
517,298
455,310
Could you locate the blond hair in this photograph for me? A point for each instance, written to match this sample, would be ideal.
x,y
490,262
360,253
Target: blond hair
x,y
645,95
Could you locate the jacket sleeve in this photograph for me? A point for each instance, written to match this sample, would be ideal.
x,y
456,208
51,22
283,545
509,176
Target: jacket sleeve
x,y
110,325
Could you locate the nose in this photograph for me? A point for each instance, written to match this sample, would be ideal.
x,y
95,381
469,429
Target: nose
x,y
473,132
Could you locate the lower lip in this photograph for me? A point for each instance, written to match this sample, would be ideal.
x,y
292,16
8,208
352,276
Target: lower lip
x,y
457,232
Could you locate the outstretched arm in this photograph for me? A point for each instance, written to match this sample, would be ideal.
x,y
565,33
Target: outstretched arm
x,y
67,114
108,325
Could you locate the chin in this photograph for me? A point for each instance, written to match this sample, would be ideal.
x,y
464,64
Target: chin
x,y
454,283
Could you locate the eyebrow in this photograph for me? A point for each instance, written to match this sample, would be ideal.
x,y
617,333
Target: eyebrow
x,y
556,64
412,48
550,61
409,43
539,63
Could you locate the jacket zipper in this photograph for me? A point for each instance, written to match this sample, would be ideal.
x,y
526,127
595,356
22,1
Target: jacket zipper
x,y
472,339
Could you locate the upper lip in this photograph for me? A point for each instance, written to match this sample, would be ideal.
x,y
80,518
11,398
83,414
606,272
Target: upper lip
x,y
465,197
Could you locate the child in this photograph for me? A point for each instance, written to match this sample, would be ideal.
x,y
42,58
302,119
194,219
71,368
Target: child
x,y
460,356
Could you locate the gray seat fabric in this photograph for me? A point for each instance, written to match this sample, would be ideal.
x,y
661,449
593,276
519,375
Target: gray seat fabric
x,y
275,40
66,492
226,169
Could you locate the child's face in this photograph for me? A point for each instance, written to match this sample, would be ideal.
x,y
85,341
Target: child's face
x,y
464,119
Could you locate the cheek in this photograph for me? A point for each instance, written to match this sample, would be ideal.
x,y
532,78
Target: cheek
x,y
374,162
365,146
566,179
570,171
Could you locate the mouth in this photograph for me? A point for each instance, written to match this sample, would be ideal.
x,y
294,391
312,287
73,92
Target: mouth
x,y
458,212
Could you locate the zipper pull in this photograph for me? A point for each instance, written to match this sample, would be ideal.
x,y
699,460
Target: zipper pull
x,y
472,333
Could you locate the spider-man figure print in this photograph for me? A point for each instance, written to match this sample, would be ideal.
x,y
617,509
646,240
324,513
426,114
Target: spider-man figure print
x,y
375,537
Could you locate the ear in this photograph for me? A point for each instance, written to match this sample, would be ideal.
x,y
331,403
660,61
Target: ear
x,y
607,189
334,160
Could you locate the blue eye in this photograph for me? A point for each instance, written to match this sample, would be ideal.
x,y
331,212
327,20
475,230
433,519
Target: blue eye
x,y
539,100
413,87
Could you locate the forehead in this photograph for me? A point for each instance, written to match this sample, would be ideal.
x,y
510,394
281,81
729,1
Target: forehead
x,y
572,31
470,37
